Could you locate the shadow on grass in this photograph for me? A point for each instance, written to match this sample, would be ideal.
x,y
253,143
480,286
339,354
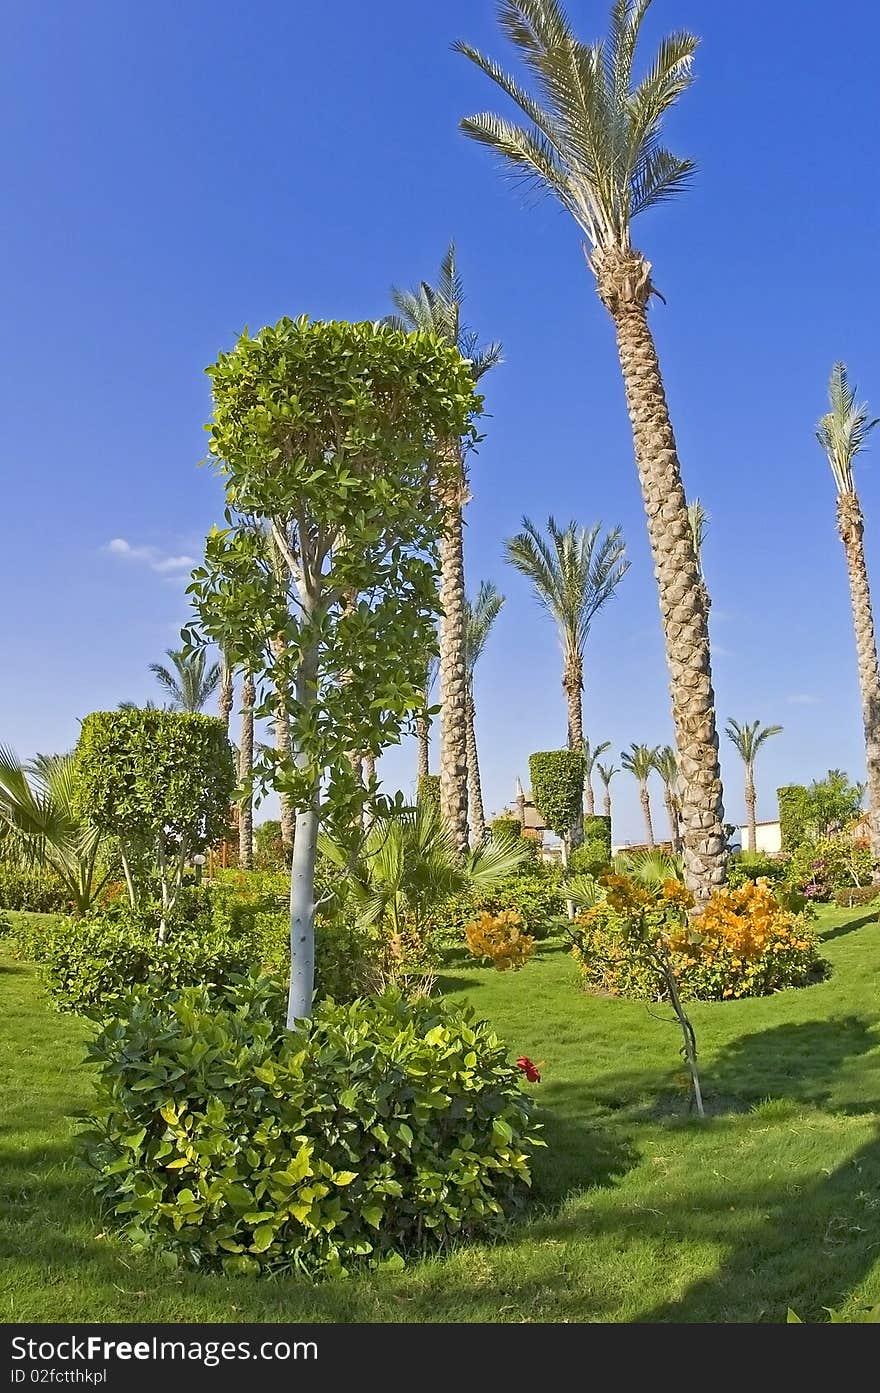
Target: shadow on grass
x,y
850,926
806,1247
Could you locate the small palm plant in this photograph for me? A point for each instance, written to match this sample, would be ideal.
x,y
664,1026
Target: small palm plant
x,y
843,433
666,765
592,138
574,572
606,774
591,762
42,824
699,525
748,739
437,309
641,761
190,682
480,616
407,867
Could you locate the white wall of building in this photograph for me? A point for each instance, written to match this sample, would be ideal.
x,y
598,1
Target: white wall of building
x,y
768,838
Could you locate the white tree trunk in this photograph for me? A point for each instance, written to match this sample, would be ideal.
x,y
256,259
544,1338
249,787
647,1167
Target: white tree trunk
x,y
302,917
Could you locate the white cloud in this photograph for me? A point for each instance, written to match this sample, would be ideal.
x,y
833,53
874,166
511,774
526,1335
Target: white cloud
x,y
149,556
802,699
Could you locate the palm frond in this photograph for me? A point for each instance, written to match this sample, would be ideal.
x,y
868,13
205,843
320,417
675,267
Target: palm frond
x,y
573,573
592,132
437,310
480,616
189,682
640,761
843,431
748,738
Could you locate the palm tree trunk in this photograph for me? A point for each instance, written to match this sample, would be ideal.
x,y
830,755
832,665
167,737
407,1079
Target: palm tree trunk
x,y
645,798
851,526
453,669
751,800
245,768
624,285
672,814
475,788
225,700
606,803
282,745
423,737
589,797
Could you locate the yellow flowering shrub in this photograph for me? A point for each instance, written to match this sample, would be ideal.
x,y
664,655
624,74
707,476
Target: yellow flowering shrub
x,y
501,939
745,943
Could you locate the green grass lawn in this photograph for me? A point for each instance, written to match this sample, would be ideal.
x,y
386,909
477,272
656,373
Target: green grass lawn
x,y
640,1214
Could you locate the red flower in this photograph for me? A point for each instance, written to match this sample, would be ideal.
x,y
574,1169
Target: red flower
x,y
530,1069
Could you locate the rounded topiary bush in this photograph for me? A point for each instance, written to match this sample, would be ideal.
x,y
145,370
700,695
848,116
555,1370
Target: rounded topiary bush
x,y
376,1129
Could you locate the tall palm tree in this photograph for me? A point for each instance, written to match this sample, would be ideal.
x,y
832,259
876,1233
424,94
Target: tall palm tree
x,y
245,771
641,761
573,574
189,682
592,139
842,433
41,821
480,617
437,309
606,774
423,722
666,765
591,761
226,696
748,739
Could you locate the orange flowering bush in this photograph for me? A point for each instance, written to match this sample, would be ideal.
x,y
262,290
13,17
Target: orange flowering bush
x,y
501,939
745,943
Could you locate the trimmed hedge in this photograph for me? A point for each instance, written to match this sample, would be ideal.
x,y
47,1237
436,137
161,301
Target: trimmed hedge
x,y
428,790
558,787
375,1130
855,895
35,891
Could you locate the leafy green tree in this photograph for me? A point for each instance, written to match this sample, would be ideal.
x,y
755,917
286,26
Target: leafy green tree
x,y
557,778
843,434
480,617
593,139
190,682
748,739
160,782
43,826
591,762
437,310
641,761
326,435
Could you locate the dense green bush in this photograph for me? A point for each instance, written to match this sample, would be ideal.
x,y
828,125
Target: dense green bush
x,y
37,891
855,895
754,865
505,827
592,858
558,787
269,853
89,965
598,829
537,898
429,789
823,865
377,1129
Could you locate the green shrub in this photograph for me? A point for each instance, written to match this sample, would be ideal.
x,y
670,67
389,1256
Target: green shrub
x,y
23,937
558,787
598,829
509,828
89,965
793,815
856,895
754,865
428,790
592,858
269,853
537,898
37,891
822,865
375,1130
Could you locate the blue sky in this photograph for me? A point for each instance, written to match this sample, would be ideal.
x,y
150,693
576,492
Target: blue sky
x,y
173,172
